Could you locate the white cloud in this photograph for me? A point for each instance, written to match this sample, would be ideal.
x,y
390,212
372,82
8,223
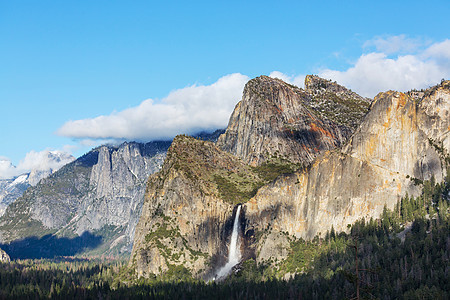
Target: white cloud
x,y
375,72
298,80
440,53
35,161
416,64
7,170
44,160
394,44
186,110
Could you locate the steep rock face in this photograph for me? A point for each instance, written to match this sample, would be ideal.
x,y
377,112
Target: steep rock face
x,y
116,188
188,209
404,138
101,191
278,119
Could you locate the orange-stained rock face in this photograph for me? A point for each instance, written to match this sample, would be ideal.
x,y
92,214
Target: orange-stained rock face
x,y
398,139
275,118
374,169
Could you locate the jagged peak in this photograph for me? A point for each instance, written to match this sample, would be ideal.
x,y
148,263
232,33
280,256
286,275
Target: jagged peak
x,y
316,82
317,85
443,85
265,78
294,114
311,82
265,86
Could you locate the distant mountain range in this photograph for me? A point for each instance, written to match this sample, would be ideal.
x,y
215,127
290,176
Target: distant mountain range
x,y
13,188
100,193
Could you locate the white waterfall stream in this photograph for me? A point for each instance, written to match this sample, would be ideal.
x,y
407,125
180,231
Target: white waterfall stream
x,y
234,252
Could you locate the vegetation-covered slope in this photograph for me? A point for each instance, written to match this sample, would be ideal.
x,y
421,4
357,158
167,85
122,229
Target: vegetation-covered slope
x,y
402,255
188,207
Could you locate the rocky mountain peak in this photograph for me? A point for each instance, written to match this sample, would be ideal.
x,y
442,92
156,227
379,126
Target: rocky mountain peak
x,y
277,119
285,97
318,84
401,142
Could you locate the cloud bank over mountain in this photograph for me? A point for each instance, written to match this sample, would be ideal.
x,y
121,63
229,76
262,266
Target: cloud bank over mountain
x,y
46,160
398,63
187,110
391,63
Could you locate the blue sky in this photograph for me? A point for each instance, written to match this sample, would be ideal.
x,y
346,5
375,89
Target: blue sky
x,y
74,74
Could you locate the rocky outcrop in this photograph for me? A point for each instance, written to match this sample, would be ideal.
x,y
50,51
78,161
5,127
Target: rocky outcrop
x,y
4,257
337,103
277,119
403,140
116,190
188,210
101,192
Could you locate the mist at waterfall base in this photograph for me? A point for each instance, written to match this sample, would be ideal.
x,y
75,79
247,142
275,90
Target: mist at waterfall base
x,y
234,252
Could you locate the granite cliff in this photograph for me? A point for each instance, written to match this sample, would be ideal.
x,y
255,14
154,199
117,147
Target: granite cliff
x,y
101,193
189,206
187,214
356,160
402,141
276,119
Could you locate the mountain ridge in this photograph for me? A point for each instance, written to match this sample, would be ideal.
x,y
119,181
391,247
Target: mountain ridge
x,y
336,188
102,191
389,155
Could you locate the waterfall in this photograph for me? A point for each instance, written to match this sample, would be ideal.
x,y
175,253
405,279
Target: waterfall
x,y
234,252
